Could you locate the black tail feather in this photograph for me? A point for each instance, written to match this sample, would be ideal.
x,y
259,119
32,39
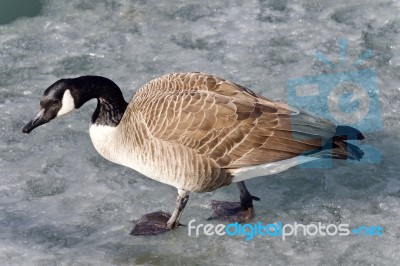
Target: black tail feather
x,y
338,148
346,133
353,152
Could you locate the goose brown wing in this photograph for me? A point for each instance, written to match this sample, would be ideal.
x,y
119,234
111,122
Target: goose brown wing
x,y
227,122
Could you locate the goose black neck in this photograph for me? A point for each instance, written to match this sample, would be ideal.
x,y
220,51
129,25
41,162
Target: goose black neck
x,y
111,104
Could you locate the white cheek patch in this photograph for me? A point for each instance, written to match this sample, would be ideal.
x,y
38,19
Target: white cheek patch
x,y
68,104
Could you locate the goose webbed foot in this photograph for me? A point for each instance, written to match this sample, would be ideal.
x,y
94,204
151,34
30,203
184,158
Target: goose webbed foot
x,y
241,212
231,212
154,223
160,222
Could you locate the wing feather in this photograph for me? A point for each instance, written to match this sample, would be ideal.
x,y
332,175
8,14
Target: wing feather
x,y
230,124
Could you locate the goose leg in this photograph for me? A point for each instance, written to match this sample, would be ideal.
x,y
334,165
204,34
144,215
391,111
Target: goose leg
x,y
246,201
159,222
181,200
234,211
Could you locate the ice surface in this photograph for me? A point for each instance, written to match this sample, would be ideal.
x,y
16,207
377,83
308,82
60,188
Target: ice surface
x,y
62,204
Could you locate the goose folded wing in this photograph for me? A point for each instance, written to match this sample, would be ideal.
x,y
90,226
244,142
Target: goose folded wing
x,y
234,126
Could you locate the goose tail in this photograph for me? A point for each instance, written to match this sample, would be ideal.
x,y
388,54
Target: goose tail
x,y
338,146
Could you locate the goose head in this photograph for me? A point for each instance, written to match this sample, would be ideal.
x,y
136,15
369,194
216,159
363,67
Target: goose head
x,y
57,100
66,95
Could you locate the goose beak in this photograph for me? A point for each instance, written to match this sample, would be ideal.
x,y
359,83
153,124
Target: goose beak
x,y
38,120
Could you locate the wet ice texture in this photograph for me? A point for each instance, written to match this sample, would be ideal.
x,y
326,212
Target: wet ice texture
x,y
61,204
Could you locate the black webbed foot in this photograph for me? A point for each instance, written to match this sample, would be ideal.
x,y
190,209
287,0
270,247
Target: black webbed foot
x,y
160,222
241,212
151,224
231,212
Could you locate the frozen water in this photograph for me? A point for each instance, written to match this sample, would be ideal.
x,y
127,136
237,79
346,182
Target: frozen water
x,y
62,204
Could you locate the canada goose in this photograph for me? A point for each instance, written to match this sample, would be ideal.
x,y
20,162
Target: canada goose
x,y
196,132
